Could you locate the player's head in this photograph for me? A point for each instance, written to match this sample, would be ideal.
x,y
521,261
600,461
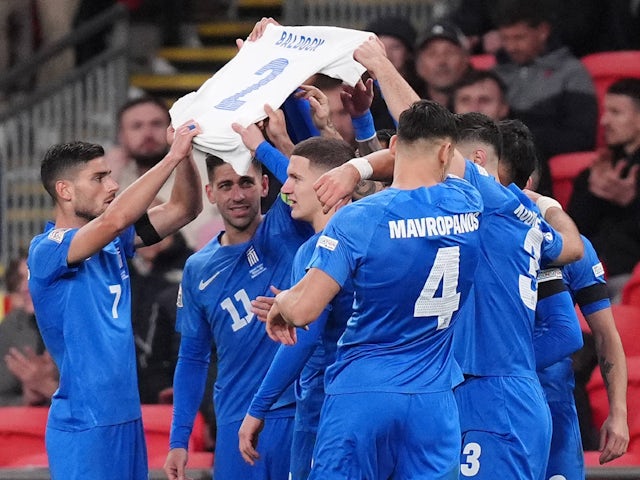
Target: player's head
x,y
142,130
481,91
426,130
236,196
78,178
519,159
480,140
309,160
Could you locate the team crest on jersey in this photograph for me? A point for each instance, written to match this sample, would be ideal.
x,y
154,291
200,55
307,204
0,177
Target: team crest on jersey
x,y
57,235
327,242
257,267
598,269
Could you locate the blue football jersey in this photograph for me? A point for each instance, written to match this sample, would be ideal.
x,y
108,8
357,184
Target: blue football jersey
x,y
495,334
84,314
218,285
411,255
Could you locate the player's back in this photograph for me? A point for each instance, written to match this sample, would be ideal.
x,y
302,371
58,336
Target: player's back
x,y
414,256
495,334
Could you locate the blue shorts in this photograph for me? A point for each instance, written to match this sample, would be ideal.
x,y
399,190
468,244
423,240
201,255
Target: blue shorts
x,y
506,428
274,447
566,459
115,451
388,435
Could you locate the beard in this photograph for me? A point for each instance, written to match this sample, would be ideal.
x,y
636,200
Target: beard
x,y
147,161
85,214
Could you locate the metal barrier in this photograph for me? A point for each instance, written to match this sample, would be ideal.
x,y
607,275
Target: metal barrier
x,y
81,105
357,13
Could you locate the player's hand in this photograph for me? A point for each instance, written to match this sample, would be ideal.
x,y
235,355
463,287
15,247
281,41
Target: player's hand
x,y
335,187
357,100
276,129
319,104
261,305
260,27
278,329
371,54
248,438
181,138
251,136
614,439
175,464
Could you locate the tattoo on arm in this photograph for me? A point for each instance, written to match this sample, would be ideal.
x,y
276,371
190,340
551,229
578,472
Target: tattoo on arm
x,y
605,369
366,188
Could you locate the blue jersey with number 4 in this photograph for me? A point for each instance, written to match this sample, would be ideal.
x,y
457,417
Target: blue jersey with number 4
x,y
411,255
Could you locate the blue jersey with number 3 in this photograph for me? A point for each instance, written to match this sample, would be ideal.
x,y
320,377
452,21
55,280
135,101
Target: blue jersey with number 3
x,y
411,255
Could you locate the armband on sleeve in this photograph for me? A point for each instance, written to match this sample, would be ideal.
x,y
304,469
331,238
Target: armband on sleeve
x,y
146,231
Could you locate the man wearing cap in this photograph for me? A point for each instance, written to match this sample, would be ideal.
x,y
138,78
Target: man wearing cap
x,y
442,60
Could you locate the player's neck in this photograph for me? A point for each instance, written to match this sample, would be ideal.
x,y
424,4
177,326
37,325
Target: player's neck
x,y
65,219
410,173
235,236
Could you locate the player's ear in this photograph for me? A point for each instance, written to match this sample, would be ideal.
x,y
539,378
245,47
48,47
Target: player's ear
x,y
64,190
209,191
445,153
479,157
393,144
265,186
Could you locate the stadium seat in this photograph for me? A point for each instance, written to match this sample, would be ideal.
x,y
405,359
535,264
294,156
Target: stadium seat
x,y
564,169
627,319
483,61
631,290
607,67
592,459
157,428
22,431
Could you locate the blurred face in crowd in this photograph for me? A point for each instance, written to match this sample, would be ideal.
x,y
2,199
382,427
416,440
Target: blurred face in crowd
x,y
621,121
524,43
21,298
301,176
237,196
397,52
143,133
484,96
340,116
441,63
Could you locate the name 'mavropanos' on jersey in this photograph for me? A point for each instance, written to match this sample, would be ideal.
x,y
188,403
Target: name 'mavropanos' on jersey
x,y
432,226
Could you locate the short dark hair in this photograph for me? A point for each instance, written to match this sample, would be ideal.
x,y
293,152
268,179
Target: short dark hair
x,y
213,162
12,277
476,76
426,120
629,87
505,13
63,157
324,153
134,102
477,127
519,158
325,82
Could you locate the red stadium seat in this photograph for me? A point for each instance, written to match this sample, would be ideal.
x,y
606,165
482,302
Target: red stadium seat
x,y
631,290
564,169
483,61
607,67
600,403
627,318
22,432
157,428
592,459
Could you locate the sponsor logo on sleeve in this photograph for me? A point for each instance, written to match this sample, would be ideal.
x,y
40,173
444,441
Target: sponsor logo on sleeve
x,y
57,235
598,269
549,274
327,242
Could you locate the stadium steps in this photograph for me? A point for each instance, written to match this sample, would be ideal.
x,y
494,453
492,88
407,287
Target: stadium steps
x,y
194,65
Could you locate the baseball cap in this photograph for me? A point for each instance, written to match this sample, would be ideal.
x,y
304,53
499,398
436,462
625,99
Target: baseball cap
x,y
397,27
444,30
